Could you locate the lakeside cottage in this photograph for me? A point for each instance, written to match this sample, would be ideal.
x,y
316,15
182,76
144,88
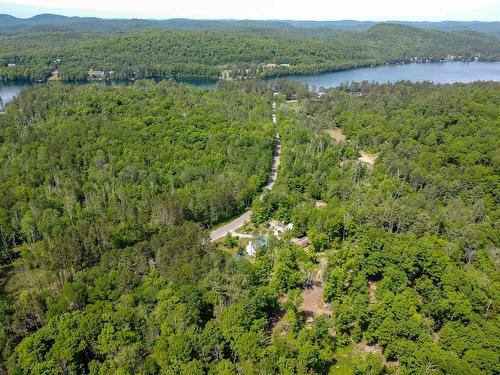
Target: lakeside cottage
x,y
54,75
97,74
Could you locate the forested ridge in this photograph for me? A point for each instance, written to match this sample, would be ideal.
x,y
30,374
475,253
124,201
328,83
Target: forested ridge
x,y
106,193
11,24
243,53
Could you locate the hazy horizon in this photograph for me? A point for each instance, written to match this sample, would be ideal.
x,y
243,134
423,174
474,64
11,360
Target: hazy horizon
x,y
270,10
237,19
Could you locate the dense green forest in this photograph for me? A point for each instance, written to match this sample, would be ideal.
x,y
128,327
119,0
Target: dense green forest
x,y
414,266
11,24
243,53
88,171
106,265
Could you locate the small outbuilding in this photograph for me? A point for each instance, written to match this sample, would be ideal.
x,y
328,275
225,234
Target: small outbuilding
x,y
302,242
257,244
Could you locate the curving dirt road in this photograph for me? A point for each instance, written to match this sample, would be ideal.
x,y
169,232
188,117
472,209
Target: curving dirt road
x,y
222,231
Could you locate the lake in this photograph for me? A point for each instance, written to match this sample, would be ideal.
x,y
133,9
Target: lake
x,y
448,72
9,89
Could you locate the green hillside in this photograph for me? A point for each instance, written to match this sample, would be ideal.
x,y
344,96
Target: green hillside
x,y
242,54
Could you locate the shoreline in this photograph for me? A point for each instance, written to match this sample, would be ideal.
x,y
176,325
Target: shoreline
x,y
265,77
10,88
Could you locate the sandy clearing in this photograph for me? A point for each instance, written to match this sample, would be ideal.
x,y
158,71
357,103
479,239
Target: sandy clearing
x,y
337,134
312,298
312,303
372,288
368,158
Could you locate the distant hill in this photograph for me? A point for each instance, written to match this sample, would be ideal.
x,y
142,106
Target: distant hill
x,y
7,21
92,24
12,24
491,28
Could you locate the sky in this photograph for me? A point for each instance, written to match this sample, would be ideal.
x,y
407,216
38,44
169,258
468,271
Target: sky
x,y
376,10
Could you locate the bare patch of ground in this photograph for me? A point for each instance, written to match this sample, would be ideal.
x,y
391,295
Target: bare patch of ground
x,y
363,347
320,204
337,134
312,303
436,337
372,288
368,158
312,296
392,363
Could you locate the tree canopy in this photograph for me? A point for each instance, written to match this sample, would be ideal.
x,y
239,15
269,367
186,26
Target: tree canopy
x,y
106,194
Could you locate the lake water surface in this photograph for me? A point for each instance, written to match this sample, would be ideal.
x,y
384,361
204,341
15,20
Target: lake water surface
x,y
449,72
8,90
